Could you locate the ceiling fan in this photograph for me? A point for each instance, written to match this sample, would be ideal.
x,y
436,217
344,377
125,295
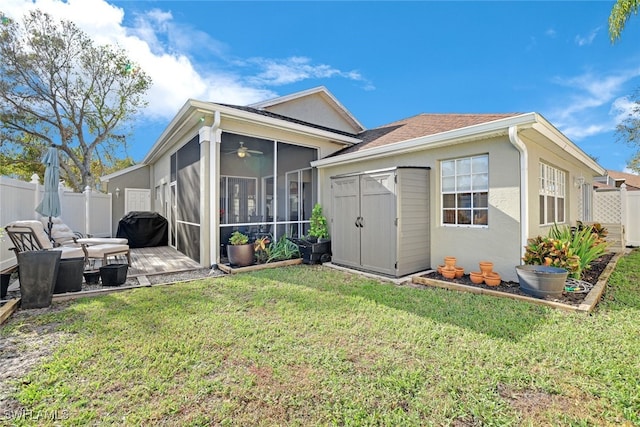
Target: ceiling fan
x,y
243,151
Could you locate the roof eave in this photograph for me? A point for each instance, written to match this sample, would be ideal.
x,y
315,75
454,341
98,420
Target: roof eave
x,y
544,127
455,136
194,108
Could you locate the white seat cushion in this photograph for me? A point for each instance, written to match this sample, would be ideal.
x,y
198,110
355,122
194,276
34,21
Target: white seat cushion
x,y
102,240
99,251
70,252
38,231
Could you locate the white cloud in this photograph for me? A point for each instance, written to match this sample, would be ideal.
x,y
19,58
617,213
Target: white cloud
x,y
277,72
551,33
167,52
588,39
592,104
624,107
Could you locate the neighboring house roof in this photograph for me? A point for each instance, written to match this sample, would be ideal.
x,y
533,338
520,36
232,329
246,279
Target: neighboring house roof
x,y
631,181
106,178
419,126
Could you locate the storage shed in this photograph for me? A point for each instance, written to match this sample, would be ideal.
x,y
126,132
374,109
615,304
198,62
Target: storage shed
x,y
380,220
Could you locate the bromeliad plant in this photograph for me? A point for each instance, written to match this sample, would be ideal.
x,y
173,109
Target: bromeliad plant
x,y
262,248
570,248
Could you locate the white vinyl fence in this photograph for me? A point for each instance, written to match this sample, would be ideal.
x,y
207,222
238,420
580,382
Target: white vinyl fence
x,y
88,212
618,210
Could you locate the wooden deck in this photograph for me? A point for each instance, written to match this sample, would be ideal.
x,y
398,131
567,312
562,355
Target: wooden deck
x,y
160,259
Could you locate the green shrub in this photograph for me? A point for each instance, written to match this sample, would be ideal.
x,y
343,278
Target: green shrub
x,y
282,249
318,223
573,249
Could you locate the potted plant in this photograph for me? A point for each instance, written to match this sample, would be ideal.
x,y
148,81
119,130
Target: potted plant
x,y
564,252
316,248
318,224
239,250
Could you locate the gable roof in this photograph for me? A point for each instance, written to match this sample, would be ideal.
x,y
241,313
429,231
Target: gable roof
x,y
321,91
419,126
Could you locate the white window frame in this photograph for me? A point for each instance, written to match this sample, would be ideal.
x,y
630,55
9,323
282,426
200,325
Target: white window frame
x,y
458,181
552,189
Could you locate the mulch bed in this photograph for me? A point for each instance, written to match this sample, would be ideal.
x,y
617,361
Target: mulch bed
x,y
571,298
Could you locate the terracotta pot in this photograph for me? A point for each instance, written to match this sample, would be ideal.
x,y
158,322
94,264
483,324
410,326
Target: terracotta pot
x,y
492,279
448,274
476,277
440,267
459,272
486,267
450,261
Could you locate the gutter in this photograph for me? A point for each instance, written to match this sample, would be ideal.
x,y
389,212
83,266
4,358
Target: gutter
x,y
524,185
455,136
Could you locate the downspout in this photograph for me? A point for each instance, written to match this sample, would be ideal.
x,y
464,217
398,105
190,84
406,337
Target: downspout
x,y
214,188
524,185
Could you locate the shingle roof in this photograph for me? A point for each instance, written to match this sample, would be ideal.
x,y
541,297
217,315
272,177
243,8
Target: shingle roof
x,y
288,119
418,126
632,181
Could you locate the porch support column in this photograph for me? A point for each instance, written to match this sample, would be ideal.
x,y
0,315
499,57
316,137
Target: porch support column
x,y
210,137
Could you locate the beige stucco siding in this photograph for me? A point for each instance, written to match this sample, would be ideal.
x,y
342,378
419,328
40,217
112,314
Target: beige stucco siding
x,y
138,178
500,241
314,109
554,156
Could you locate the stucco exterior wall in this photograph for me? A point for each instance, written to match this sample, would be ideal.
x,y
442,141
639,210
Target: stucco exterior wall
x,y
137,178
499,242
559,159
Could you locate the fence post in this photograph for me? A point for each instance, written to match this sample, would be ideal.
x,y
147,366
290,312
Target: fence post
x,y
87,210
35,180
623,212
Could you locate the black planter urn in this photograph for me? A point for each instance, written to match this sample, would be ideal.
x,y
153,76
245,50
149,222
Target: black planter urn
x,y
69,278
38,271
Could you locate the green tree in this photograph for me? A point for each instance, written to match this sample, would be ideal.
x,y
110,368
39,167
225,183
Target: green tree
x,y
620,13
628,129
58,88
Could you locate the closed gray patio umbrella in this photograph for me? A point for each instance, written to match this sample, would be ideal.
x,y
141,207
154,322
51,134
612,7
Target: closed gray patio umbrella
x,y
50,204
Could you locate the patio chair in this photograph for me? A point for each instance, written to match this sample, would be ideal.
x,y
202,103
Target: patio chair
x,y
61,234
30,235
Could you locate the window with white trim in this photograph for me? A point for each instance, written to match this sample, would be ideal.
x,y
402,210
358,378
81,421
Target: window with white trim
x,y
552,195
465,190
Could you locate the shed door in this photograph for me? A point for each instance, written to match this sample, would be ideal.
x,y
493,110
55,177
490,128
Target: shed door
x,y
345,243
378,231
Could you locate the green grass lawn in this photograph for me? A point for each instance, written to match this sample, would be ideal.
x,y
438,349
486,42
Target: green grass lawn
x,y
309,345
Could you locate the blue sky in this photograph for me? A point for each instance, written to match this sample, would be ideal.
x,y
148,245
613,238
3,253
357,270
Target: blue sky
x,y
383,60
